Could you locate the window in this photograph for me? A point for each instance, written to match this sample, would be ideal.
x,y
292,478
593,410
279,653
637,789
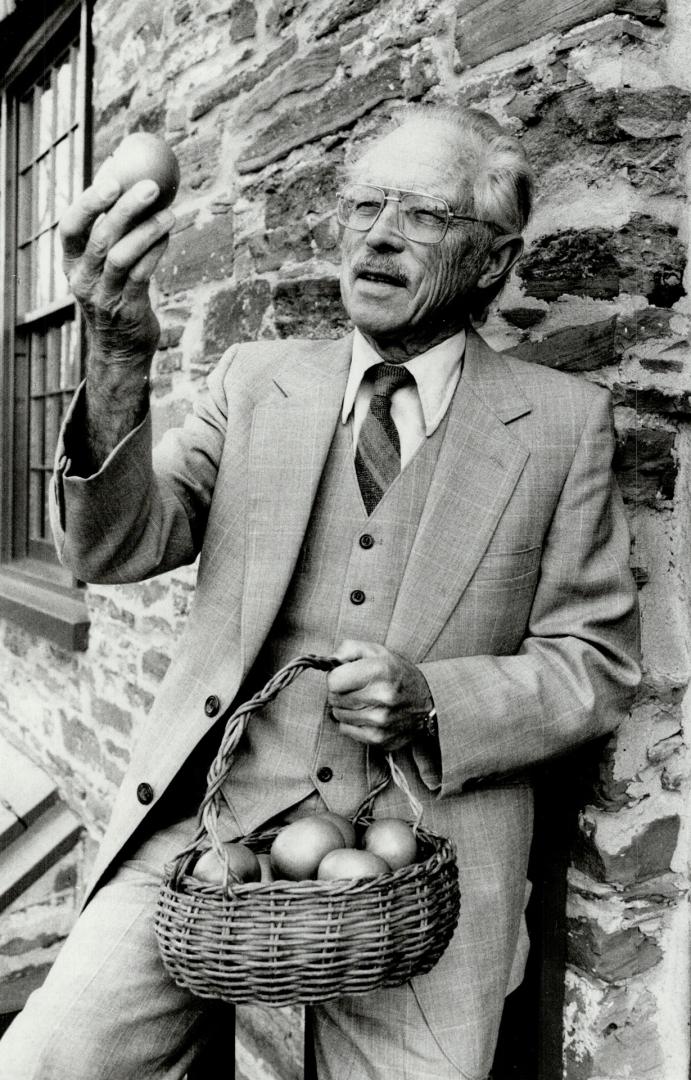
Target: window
x,y
45,144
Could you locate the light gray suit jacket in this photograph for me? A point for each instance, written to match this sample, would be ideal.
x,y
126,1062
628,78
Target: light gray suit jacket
x,y
517,602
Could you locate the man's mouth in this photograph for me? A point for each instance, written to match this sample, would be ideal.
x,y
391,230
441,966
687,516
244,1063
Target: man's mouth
x,y
380,276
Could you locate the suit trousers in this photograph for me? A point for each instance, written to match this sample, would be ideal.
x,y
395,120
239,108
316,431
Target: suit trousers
x,y
109,1011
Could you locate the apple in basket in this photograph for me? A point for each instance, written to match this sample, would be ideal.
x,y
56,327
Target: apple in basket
x,y
241,860
351,863
145,156
346,827
393,840
299,847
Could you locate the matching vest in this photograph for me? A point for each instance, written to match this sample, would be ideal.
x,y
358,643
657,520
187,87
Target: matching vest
x,y
344,585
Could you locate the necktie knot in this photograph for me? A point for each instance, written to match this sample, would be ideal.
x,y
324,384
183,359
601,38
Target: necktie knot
x,y
389,378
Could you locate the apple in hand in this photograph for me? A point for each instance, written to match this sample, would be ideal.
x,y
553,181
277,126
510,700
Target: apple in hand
x,y
145,156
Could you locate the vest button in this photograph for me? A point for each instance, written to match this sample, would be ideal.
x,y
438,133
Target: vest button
x,y
145,793
324,774
212,705
366,541
357,596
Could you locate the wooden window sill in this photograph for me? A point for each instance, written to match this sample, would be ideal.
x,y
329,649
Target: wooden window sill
x,y
53,611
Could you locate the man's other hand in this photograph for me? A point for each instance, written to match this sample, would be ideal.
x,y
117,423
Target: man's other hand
x,y
111,247
377,696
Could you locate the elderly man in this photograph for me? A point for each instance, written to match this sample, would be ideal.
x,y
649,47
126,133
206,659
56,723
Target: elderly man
x,y
439,516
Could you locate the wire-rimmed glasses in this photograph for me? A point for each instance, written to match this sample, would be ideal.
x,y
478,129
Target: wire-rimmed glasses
x,y
422,218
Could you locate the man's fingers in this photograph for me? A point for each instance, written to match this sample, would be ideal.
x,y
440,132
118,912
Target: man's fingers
x,y
353,675
129,268
78,219
131,257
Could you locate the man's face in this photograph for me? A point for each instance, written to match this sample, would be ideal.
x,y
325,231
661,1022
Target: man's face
x,y
403,295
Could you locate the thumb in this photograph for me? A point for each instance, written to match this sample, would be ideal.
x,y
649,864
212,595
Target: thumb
x,y
351,649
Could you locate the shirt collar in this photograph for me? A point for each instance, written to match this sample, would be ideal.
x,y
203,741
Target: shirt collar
x,y
436,373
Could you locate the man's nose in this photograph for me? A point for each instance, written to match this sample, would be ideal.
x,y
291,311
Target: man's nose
x,y
385,231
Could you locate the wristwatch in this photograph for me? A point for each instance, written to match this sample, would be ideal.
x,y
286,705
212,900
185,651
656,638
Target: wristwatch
x,y
430,726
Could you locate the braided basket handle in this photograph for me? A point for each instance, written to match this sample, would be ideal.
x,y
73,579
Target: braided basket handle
x,y
220,767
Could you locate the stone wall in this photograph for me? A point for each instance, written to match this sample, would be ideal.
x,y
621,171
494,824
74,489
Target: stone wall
x,y
263,102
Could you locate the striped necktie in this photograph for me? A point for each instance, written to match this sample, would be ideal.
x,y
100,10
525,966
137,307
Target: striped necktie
x,y
378,453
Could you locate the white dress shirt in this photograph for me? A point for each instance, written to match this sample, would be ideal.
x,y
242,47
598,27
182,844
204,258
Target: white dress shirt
x,y
417,410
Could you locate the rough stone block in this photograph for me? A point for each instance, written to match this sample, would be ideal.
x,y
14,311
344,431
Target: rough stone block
x,y
485,28
635,133
230,84
573,348
302,73
275,247
80,741
243,20
310,190
309,308
646,465
110,714
648,854
344,104
235,314
610,957
155,663
643,257
340,12
197,254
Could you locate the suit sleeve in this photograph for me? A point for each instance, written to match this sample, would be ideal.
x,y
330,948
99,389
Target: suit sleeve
x,y
575,673
144,511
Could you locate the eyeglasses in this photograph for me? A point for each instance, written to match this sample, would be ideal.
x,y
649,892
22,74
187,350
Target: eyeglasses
x,y
423,218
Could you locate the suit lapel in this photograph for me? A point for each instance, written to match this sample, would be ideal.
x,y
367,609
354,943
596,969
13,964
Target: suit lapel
x,y
291,434
478,467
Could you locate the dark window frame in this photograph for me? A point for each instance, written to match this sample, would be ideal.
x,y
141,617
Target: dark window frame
x,y
35,591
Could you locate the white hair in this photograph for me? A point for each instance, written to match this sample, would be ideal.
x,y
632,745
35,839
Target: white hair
x,y
493,171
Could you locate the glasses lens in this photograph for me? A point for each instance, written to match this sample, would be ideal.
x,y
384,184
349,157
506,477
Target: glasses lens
x,y
359,206
424,218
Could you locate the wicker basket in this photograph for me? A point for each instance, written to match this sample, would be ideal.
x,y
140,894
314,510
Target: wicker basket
x,y
296,942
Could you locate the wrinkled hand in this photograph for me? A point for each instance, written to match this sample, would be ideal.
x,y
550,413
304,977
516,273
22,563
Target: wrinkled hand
x,y
377,696
111,248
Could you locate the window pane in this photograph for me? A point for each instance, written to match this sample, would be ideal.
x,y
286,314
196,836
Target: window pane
x,y
69,356
44,189
53,416
44,267
63,177
24,278
65,90
25,206
36,426
37,366
46,120
26,130
53,359
36,505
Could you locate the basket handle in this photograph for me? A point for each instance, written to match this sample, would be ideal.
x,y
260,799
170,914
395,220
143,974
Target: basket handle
x,y
207,824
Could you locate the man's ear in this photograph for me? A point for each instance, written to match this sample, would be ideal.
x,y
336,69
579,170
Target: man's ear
x,y
504,254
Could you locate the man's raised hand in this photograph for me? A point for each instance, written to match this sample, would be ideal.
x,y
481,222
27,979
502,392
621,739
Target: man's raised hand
x,y
111,247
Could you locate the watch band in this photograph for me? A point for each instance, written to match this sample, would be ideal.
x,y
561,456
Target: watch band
x,y
430,725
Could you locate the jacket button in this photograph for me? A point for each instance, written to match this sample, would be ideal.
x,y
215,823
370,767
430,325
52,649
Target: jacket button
x,y
145,794
324,774
366,541
357,597
212,705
